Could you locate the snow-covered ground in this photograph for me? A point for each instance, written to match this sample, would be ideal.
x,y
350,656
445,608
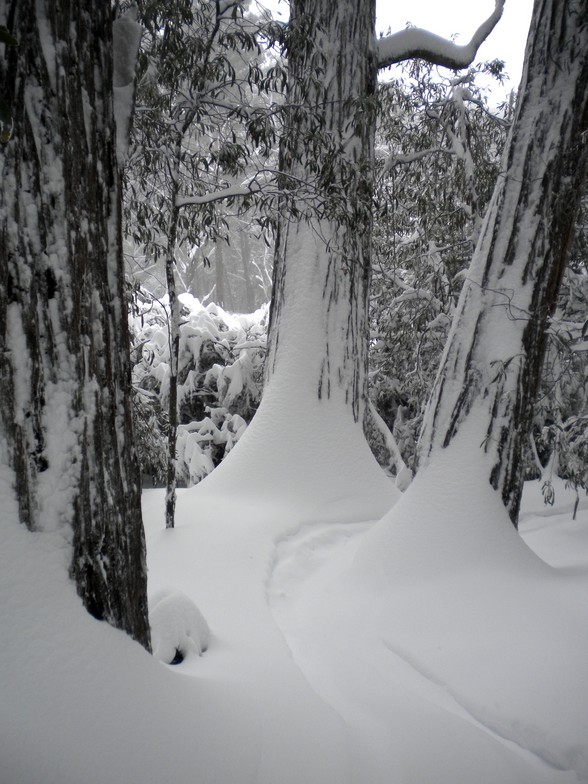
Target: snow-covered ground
x,y
430,647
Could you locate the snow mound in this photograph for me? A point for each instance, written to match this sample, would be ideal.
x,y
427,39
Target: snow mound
x,y
463,601
404,478
177,627
303,459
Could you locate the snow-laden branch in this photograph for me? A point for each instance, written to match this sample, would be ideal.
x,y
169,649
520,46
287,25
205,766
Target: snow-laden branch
x,y
415,42
397,158
416,294
264,183
224,193
224,6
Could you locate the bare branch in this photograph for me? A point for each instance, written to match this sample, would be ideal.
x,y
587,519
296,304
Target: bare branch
x,y
415,42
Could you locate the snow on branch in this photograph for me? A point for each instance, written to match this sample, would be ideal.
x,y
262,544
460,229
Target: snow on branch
x,y
397,158
224,6
223,193
415,42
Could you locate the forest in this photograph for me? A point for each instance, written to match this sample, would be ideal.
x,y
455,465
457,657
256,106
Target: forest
x,y
293,396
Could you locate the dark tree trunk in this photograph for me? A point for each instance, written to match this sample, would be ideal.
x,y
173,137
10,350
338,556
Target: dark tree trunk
x,y
322,260
65,374
174,357
492,363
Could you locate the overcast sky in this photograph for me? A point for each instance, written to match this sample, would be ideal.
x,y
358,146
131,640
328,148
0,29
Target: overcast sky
x,y
462,17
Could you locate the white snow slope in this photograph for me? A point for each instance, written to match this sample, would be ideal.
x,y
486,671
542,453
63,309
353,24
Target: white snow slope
x,y
432,647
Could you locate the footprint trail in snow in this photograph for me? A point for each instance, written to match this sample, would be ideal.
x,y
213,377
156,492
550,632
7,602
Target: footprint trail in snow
x,y
394,712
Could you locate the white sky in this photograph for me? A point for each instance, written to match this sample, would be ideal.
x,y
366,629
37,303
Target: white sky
x,y
461,17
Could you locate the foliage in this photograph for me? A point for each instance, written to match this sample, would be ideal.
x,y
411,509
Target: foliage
x,y
204,126
219,384
561,419
438,156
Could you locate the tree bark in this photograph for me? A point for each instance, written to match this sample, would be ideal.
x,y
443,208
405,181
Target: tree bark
x,y
65,419
322,258
492,362
174,358
220,296
247,271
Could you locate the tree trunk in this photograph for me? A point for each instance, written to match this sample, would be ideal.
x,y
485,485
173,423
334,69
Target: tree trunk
x,y
174,357
247,271
65,374
322,259
305,453
492,362
220,277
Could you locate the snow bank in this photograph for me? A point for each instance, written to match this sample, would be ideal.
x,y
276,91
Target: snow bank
x,y
464,602
432,647
302,459
81,702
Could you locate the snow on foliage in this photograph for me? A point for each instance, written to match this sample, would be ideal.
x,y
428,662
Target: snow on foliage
x,y
437,158
220,378
177,627
560,431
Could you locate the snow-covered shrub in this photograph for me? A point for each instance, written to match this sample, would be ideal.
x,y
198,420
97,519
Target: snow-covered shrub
x,y
178,628
437,155
220,377
559,445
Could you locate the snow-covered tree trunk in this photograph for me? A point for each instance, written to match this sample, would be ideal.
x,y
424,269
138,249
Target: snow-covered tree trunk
x,y
305,448
322,261
305,452
492,362
65,427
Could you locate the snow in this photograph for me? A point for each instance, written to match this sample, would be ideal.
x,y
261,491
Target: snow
x,y
430,647
126,39
302,456
177,626
414,41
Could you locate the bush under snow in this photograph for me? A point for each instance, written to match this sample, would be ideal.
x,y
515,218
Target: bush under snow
x,y
177,627
220,378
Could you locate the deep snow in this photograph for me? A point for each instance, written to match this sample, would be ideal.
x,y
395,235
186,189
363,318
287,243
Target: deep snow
x,y
431,647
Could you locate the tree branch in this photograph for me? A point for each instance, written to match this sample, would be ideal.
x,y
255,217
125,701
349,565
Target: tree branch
x,y
415,42
223,193
393,159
